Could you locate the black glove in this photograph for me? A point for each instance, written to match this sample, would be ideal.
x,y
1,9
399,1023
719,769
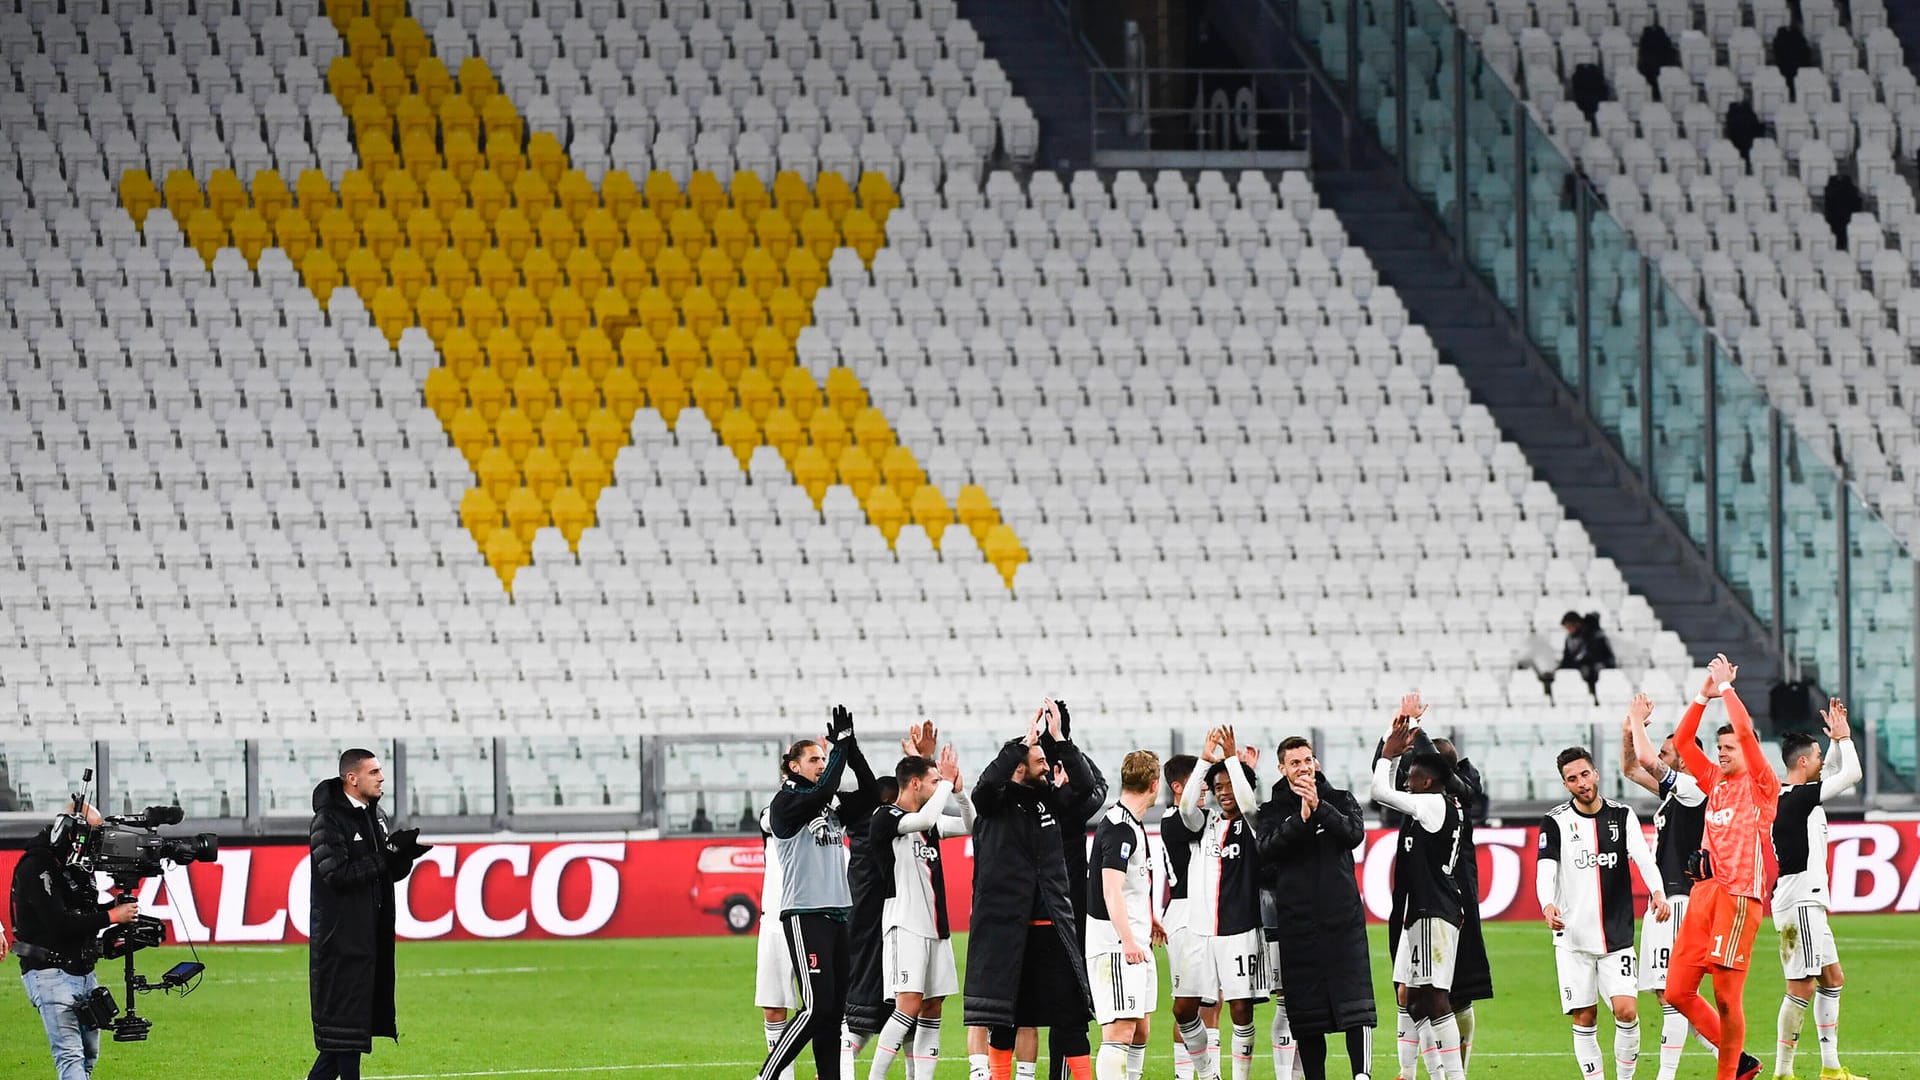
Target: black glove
x,y
1700,865
840,728
1066,724
406,843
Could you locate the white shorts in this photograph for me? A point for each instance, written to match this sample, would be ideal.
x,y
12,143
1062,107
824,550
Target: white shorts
x,y
1806,942
1237,964
1192,972
1122,991
1656,945
918,965
1428,950
773,986
1586,979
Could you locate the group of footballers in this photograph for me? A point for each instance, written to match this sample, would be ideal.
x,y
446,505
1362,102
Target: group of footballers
x,y
1256,899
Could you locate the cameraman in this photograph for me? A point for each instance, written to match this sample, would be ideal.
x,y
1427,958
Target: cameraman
x,y
57,915
356,861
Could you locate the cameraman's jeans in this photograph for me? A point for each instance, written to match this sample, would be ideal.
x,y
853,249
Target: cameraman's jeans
x,y
53,992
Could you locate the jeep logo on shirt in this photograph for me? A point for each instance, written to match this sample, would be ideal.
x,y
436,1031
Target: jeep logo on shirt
x,y
1588,861
1720,817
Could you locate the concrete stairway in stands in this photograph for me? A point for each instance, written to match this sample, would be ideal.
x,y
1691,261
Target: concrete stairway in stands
x,y
1047,66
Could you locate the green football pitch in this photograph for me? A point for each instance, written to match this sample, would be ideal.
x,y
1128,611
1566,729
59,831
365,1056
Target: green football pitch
x,y
671,1008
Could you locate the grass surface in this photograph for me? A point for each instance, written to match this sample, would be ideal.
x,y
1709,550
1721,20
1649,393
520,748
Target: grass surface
x,y
682,1007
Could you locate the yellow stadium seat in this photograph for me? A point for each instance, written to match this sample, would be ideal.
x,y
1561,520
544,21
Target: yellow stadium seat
x,y
663,194
829,433
443,194
711,393
584,273
600,234
469,234
460,353
452,274
358,194
345,81
666,394
800,394
706,196
435,312
716,273
885,511
504,129
974,510
630,274
901,472
370,118
609,309
1003,550
870,430
532,194
513,233
930,511
527,513
426,233
391,313
464,160
546,157
569,313
784,434
819,234
844,392
419,156
834,195
516,433
271,198
498,475
409,42
575,194
606,433
409,274
757,395
480,514
138,195
732,234
506,555
877,197
740,434
675,273
684,353
207,233
294,234
595,352
749,195
544,471
338,234
728,353
496,273
791,196
701,312
862,234
388,81
619,194
550,353
688,232
314,194
561,434
470,434
532,393
480,314
226,195
813,472
381,233
524,313
507,353
401,195
578,394
444,394
805,274
624,395
658,314
320,273
488,391
477,83
775,235
251,235
788,313
540,273
573,513
858,471
432,81
365,41
646,236
489,195
639,352
587,473
746,314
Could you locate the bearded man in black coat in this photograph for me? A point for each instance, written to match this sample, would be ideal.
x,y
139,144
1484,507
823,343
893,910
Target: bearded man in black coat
x,y
1307,833
356,861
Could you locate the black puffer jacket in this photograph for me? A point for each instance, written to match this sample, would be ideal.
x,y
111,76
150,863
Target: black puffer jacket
x,y
350,959
1323,940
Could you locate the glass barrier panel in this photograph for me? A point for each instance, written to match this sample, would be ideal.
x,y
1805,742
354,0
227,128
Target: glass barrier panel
x,y
204,778
1431,108
1374,88
1613,332
1323,23
574,773
715,782
1809,561
40,776
1553,252
1489,112
1679,412
1880,590
1744,456
450,774
290,770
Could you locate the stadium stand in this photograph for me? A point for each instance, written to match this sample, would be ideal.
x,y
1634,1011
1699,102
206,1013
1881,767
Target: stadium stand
x,y
676,368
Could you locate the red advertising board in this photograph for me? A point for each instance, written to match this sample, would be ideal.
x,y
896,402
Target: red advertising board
x,y
679,887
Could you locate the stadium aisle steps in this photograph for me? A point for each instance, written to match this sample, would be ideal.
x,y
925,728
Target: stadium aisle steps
x,y
1904,20
1541,417
1047,68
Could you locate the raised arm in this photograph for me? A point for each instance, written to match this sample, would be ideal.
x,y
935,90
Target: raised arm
x,y
1189,808
1638,762
1686,739
929,815
1244,793
796,804
1765,782
1430,810
1842,769
992,785
966,815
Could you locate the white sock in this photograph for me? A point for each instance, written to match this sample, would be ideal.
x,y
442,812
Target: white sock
x,y
898,1029
773,1036
1136,1061
1793,1016
1182,1060
1194,1035
1446,1039
1464,1019
1025,1070
1409,1045
977,1067
1284,1050
1429,1050
1673,1040
1111,1062
850,1044
1586,1051
1242,1052
1826,1018
1626,1049
925,1054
